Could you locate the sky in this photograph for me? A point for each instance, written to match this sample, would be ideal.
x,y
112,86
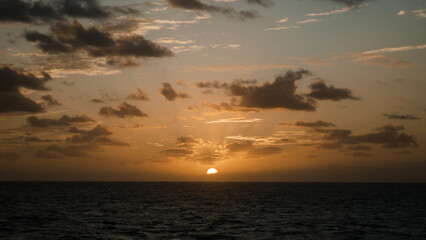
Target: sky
x,y
261,90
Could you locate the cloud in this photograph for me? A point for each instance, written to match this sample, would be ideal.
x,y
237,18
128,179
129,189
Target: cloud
x,y
279,94
240,146
312,20
73,37
9,156
177,152
226,107
316,124
282,20
97,100
170,94
388,136
46,11
337,11
360,154
421,13
197,5
139,96
55,151
97,136
379,60
36,139
351,3
401,117
236,120
320,91
50,100
11,98
282,28
65,120
401,13
262,151
123,110
238,67
396,49
360,148
264,3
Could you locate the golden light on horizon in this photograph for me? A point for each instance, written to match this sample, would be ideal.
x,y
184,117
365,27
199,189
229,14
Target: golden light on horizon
x,y
211,171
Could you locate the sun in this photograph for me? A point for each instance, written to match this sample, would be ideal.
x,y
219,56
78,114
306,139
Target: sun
x,y
211,171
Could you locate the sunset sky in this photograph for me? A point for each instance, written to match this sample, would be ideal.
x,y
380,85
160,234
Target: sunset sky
x,y
261,90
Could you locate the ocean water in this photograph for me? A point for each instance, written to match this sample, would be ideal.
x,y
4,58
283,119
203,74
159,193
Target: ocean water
x,y
139,210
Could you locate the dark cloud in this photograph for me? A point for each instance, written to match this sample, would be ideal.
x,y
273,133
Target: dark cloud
x,y
197,5
226,107
350,3
320,91
262,151
279,94
11,80
388,136
9,156
36,139
97,100
404,152
265,3
45,11
360,148
73,37
65,120
50,100
316,124
360,154
177,152
55,151
401,117
170,94
139,96
239,146
97,136
123,110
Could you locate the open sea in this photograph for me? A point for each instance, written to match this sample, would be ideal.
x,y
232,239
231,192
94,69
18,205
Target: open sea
x,y
142,210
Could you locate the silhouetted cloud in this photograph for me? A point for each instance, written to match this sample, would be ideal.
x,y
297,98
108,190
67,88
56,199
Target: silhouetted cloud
x,y
316,124
360,148
65,120
351,3
279,94
388,136
97,136
37,139
55,151
50,100
177,152
170,94
320,91
239,146
123,110
197,5
11,99
45,11
265,3
139,96
262,151
73,37
360,154
401,117
9,156
97,100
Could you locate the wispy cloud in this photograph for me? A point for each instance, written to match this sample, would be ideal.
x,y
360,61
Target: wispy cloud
x,y
311,20
282,28
337,11
396,49
244,67
236,120
421,13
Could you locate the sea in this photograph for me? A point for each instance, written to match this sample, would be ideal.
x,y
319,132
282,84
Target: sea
x,y
165,210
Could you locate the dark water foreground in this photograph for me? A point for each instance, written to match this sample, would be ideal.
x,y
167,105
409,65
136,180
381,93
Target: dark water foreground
x,y
79,210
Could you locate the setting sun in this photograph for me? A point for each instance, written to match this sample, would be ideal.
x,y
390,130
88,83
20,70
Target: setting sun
x,y
212,171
